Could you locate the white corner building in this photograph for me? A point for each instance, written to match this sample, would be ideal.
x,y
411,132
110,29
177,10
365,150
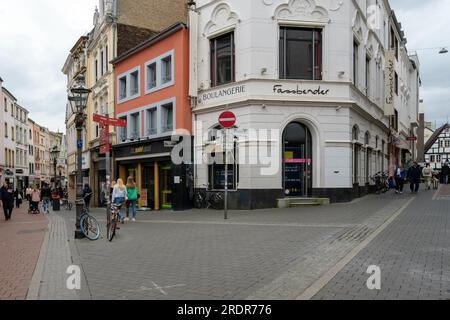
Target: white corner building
x,y
312,72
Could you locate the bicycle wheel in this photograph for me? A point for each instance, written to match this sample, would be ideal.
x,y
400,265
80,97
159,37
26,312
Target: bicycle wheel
x,y
217,201
112,230
90,227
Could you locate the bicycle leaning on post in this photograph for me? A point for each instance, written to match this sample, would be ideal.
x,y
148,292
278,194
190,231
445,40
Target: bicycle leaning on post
x,y
112,226
89,225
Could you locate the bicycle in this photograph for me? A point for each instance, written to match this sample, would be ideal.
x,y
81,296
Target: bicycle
x,y
381,182
67,205
89,225
112,226
206,200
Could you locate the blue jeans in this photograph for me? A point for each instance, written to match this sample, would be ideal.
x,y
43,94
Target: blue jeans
x,y
133,205
118,201
46,204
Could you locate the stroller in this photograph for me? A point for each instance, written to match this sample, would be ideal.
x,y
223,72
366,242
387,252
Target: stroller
x,y
34,208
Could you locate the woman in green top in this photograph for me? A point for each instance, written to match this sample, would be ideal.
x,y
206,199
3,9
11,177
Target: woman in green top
x,y
132,196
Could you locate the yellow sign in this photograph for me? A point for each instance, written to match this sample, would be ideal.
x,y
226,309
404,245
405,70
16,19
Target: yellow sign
x,y
139,150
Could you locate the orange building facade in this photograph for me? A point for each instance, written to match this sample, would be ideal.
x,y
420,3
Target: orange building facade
x,y
151,88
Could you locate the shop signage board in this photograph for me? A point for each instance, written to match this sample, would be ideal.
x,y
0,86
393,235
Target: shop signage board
x,y
411,138
389,80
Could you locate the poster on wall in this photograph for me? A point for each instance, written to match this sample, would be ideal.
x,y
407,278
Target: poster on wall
x,y
144,198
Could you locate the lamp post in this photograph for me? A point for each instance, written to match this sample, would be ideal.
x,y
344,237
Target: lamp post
x,y
78,98
54,154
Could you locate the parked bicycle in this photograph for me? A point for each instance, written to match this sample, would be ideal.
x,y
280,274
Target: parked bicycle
x,y
381,180
205,200
67,205
112,227
89,225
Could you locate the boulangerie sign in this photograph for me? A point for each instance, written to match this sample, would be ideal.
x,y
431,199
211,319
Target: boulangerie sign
x,y
389,75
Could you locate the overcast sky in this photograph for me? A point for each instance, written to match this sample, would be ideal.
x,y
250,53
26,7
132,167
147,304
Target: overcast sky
x,y
36,36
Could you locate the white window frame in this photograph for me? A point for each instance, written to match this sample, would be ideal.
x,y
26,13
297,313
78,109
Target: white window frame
x,y
148,121
159,132
159,72
127,76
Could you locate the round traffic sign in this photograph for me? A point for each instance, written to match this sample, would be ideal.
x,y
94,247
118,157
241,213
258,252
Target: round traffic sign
x,y
227,119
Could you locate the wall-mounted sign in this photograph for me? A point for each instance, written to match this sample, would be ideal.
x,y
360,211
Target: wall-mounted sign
x,y
223,93
389,79
319,91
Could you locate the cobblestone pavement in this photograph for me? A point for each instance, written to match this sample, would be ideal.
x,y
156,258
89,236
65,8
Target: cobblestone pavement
x,y
20,243
197,255
413,254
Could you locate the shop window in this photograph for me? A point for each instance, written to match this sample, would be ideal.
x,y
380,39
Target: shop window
x,y
166,69
152,121
123,88
151,76
300,53
216,170
222,59
167,117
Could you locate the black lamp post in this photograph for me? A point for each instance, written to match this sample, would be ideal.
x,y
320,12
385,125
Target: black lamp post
x,y
78,98
54,155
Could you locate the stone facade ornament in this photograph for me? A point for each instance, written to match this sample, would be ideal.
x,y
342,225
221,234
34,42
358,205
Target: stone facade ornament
x,y
304,10
221,18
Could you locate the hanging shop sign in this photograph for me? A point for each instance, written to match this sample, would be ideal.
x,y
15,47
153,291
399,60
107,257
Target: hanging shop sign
x,y
389,80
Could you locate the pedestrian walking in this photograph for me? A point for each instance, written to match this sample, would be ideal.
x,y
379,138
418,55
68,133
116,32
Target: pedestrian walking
x,y
18,198
7,196
28,192
427,174
445,173
46,195
87,194
414,176
119,196
132,196
35,199
400,177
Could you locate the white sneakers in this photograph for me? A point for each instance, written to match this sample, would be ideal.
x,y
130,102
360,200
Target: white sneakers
x,y
128,219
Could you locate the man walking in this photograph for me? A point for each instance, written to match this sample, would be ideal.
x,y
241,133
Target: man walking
x,y
7,196
427,173
46,195
445,173
414,175
400,176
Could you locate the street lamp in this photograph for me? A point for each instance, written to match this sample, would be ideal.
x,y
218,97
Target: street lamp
x,y
54,155
78,98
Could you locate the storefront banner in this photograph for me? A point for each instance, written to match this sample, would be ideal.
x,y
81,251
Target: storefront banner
x,y
389,75
274,90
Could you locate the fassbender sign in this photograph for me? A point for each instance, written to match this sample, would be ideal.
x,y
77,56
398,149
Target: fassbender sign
x,y
227,120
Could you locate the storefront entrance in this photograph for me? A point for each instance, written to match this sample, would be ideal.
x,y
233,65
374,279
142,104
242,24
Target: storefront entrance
x,y
297,160
154,180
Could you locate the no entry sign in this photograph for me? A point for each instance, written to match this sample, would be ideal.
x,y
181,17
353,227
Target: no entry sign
x,y
227,120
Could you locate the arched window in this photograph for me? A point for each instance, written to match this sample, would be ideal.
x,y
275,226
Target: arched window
x,y
355,133
367,138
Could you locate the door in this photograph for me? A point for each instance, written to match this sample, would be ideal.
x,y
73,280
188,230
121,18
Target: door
x,y
297,160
